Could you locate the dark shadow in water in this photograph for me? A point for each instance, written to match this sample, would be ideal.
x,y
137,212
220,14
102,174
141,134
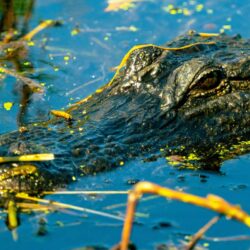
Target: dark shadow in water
x,y
15,16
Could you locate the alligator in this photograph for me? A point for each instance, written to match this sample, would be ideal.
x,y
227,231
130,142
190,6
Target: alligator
x,y
188,100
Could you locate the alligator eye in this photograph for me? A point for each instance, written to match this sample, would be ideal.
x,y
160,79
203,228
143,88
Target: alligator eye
x,y
209,81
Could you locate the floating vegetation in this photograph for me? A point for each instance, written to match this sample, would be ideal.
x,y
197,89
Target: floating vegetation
x,y
212,202
224,153
116,5
14,49
33,86
131,28
12,220
60,205
19,170
61,114
85,192
43,25
193,240
8,105
31,157
186,8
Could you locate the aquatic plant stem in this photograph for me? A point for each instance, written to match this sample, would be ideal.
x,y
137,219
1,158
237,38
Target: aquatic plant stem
x,y
212,202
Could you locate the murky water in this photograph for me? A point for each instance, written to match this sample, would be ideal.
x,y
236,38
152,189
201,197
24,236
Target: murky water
x,y
73,60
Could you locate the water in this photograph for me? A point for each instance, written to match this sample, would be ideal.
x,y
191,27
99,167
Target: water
x,y
75,59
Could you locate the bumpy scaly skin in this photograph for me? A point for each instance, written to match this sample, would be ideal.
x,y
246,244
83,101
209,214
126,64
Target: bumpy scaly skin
x,y
192,100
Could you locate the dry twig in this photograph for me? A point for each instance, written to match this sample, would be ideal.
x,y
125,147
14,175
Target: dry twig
x,y
212,202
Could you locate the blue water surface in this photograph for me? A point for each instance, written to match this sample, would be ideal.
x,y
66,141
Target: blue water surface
x,y
72,61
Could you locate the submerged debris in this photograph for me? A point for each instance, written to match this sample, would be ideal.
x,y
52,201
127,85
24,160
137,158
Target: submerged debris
x,y
61,114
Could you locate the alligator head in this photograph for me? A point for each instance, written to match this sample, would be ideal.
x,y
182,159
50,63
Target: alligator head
x,y
190,101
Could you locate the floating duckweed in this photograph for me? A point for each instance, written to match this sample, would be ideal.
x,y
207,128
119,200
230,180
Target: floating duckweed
x,y
189,166
173,11
192,157
245,143
75,32
186,12
119,5
127,6
20,170
227,27
56,68
223,152
66,58
199,7
27,63
173,163
73,178
31,43
170,7
8,105
121,163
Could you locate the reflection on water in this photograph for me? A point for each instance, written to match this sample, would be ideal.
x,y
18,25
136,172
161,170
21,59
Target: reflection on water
x,y
15,15
15,59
